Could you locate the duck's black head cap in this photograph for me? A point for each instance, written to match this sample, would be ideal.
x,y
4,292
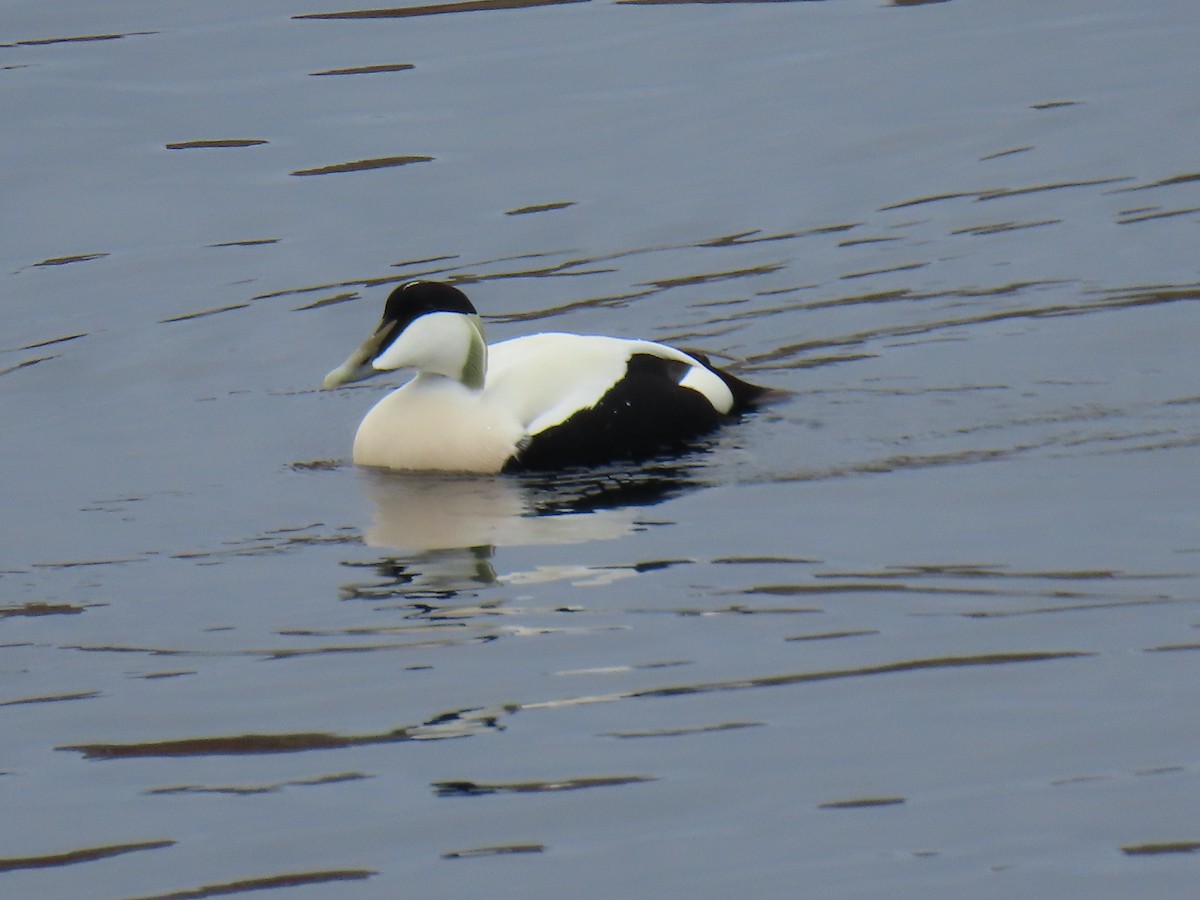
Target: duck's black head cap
x,y
416,298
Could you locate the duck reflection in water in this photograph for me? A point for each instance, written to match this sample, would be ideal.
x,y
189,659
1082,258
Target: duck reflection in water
x,y
446,528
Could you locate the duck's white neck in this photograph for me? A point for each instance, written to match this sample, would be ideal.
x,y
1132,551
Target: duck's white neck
x,y
445,344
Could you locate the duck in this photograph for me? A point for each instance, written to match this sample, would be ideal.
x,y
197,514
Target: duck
x,y
545,401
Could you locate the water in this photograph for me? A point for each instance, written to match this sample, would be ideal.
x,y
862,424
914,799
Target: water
x,y
925,629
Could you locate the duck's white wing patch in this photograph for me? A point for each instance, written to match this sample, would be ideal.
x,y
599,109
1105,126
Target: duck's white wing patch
x,y
543,379
710,385
698,377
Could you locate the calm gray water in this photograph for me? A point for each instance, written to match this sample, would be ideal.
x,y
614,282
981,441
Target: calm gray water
x,y
926,629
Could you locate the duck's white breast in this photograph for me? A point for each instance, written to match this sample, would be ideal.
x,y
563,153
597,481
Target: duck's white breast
x,y
437,424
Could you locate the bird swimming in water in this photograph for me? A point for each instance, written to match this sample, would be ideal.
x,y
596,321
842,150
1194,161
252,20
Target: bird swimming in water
x,y
543,401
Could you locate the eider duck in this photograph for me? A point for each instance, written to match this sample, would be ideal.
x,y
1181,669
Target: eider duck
x,y
544,401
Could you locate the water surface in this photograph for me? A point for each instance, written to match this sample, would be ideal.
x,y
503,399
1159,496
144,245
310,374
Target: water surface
x,y
928,628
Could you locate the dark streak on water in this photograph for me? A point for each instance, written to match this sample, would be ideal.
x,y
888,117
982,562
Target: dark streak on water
x,y
247,790
1168,648
404,12
738,609
363,165
832,635
368,70
66,260
1054,104
862,803
269,882
84,563
1186,178
447,725
501,850
38,608
48,342
184,317
55,698
539,207
173,674
328,301
479,789
1162,848
949,662
71,857
683,732
1010,152
254,242
40,42
217,144
1165,214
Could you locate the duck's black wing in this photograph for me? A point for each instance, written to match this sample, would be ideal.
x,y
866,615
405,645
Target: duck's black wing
x,y
646,413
